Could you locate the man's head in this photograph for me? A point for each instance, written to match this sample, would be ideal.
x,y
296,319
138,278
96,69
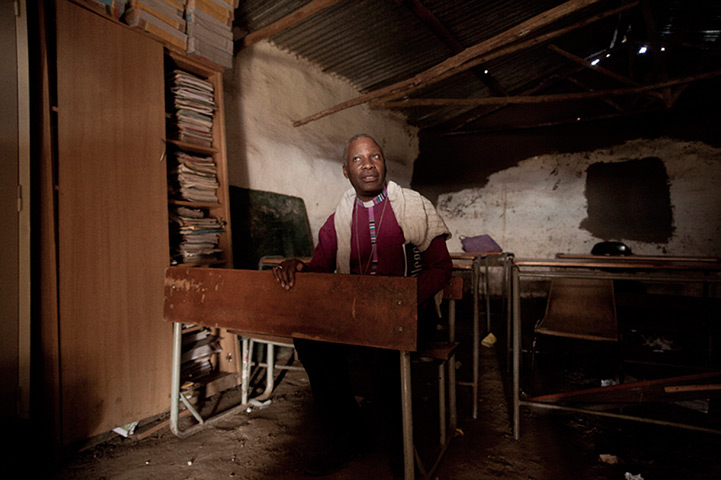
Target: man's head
x,y
365,166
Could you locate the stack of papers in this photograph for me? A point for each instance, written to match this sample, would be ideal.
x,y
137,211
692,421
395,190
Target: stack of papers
x,y
114,8
209,27
161,18
193,178
199,344
194,236
193,106
196,350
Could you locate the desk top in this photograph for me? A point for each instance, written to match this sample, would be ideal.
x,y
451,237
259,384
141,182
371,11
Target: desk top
x,y
634,262
354,309
640,258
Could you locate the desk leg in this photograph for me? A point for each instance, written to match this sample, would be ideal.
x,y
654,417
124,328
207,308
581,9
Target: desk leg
x,y
516,356
407,410
175,379
245,370
487,295
452,364
476,335
507,273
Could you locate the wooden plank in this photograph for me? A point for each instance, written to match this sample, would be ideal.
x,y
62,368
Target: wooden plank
x,y
639,392
454,289
692,388
359,310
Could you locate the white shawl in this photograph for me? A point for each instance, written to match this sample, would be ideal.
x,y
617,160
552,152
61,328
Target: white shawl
x,y
415,214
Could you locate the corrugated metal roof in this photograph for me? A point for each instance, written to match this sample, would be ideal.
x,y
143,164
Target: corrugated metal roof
x,y
377,43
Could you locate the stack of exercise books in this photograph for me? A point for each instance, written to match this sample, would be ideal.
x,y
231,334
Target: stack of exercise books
x,y
114,8
209,28
198,27
164,19
191,108
193,178
197,348
194,236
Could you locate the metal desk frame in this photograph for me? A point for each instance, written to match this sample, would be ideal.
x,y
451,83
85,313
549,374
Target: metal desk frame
x,y
651,269
480,267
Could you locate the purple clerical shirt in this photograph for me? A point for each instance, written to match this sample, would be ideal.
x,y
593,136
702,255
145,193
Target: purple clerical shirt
x,y
436,261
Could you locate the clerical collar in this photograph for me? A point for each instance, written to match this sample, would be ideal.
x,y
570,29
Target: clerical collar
x,y
373,201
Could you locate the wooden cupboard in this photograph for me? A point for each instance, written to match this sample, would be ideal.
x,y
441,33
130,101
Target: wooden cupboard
x,y
106,350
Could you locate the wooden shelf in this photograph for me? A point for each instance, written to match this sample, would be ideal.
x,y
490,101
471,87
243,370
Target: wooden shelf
x,y
194,64
192,147
192,328
226,373
216,263
188,203
214,383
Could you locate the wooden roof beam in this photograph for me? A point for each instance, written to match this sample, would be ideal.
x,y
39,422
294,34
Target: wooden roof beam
x,y
476,113
554,123
606,100
603,71
713,56
661,72
288,21
517,100
472,56
513,48
447,37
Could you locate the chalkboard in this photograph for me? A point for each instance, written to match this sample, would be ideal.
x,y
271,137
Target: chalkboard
x,y
267,223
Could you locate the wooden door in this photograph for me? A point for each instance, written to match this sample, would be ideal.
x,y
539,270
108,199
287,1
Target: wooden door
x,y
115,352
9,219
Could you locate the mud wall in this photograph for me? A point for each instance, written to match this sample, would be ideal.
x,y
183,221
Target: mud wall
x,y
659,196
649,182
267,90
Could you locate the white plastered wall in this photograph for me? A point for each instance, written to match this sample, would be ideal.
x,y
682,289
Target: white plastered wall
x,y
267,90
536,208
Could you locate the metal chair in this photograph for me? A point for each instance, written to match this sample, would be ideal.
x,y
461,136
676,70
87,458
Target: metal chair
x,y
578,308
270,342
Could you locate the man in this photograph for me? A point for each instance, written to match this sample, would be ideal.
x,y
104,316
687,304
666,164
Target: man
x,y
378,228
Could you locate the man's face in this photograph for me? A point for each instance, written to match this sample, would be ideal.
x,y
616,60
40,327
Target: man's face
x,y
365,167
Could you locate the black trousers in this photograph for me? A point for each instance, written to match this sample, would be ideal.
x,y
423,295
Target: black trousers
x,y
338,373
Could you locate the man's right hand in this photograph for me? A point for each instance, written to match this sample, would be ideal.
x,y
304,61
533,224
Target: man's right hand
x,y
285,272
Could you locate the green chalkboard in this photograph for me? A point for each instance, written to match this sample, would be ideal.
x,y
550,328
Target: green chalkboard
x,y
267,223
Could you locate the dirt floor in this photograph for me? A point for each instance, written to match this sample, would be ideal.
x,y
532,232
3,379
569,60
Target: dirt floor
x,y
275,441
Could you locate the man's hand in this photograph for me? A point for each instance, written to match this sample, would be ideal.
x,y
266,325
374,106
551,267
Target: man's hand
x,y
285,272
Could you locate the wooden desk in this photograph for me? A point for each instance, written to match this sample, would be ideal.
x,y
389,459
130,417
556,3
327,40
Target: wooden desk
x,y
360,310
652,269
659,260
